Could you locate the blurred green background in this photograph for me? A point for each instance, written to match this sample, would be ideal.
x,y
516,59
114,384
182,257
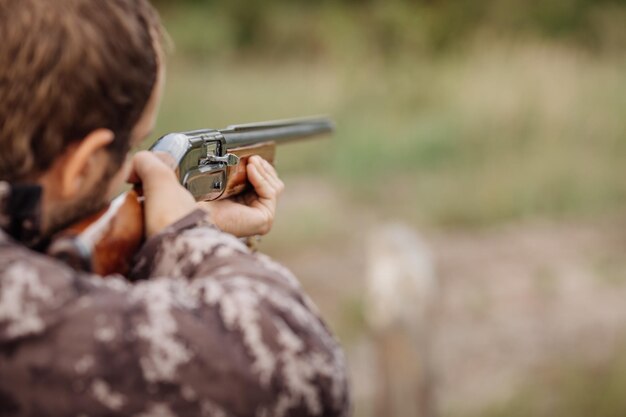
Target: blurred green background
x,y
464,119
471,111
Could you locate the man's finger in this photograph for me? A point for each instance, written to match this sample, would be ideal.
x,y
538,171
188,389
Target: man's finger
x,y
260,183
270,175
273,176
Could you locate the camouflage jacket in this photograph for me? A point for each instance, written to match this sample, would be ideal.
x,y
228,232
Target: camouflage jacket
x,y
209,329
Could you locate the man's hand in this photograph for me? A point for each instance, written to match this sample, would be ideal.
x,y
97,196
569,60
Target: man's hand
x,y
251,213
166,201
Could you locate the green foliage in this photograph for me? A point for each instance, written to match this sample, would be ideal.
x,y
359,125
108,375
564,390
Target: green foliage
x,y
288,28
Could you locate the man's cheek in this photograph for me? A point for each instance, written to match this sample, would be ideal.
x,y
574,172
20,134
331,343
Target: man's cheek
x,y
118,182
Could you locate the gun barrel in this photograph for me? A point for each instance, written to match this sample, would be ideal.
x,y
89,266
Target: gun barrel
x,y
277,131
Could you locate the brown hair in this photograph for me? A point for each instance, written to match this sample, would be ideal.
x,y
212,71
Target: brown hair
x,y
68,67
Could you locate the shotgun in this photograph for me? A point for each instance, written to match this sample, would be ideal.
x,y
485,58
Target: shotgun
x,y
210,163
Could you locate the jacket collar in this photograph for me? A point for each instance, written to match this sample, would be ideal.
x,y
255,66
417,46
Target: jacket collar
x,y
20,211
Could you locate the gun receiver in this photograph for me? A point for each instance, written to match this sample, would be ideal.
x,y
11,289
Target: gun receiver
x,y
210,163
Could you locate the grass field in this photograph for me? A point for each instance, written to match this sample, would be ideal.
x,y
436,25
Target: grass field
x,y
499,132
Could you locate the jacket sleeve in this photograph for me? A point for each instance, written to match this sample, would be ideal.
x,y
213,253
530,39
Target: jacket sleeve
x,y
208,329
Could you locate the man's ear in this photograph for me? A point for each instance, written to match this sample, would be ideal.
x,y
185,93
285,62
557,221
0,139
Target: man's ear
x,y
77,161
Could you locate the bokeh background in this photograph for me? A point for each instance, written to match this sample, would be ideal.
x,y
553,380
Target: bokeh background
x,y
495,129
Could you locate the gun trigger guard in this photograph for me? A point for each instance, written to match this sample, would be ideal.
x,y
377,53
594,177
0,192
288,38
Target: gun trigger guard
x,y
229,159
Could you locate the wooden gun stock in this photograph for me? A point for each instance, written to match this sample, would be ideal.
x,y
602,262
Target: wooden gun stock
x,y
237,175
103,242
106,242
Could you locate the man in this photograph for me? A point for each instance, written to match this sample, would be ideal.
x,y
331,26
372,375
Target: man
x,y
208,328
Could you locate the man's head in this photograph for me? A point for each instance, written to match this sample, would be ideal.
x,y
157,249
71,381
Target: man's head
x,y
80,83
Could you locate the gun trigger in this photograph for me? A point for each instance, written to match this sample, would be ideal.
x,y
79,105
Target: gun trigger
x,y
229,159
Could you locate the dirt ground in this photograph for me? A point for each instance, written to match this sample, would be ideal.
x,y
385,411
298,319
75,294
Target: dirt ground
x,y
512,297
517,297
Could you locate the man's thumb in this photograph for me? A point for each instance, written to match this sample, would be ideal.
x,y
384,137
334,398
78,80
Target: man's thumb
x,y
150,169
